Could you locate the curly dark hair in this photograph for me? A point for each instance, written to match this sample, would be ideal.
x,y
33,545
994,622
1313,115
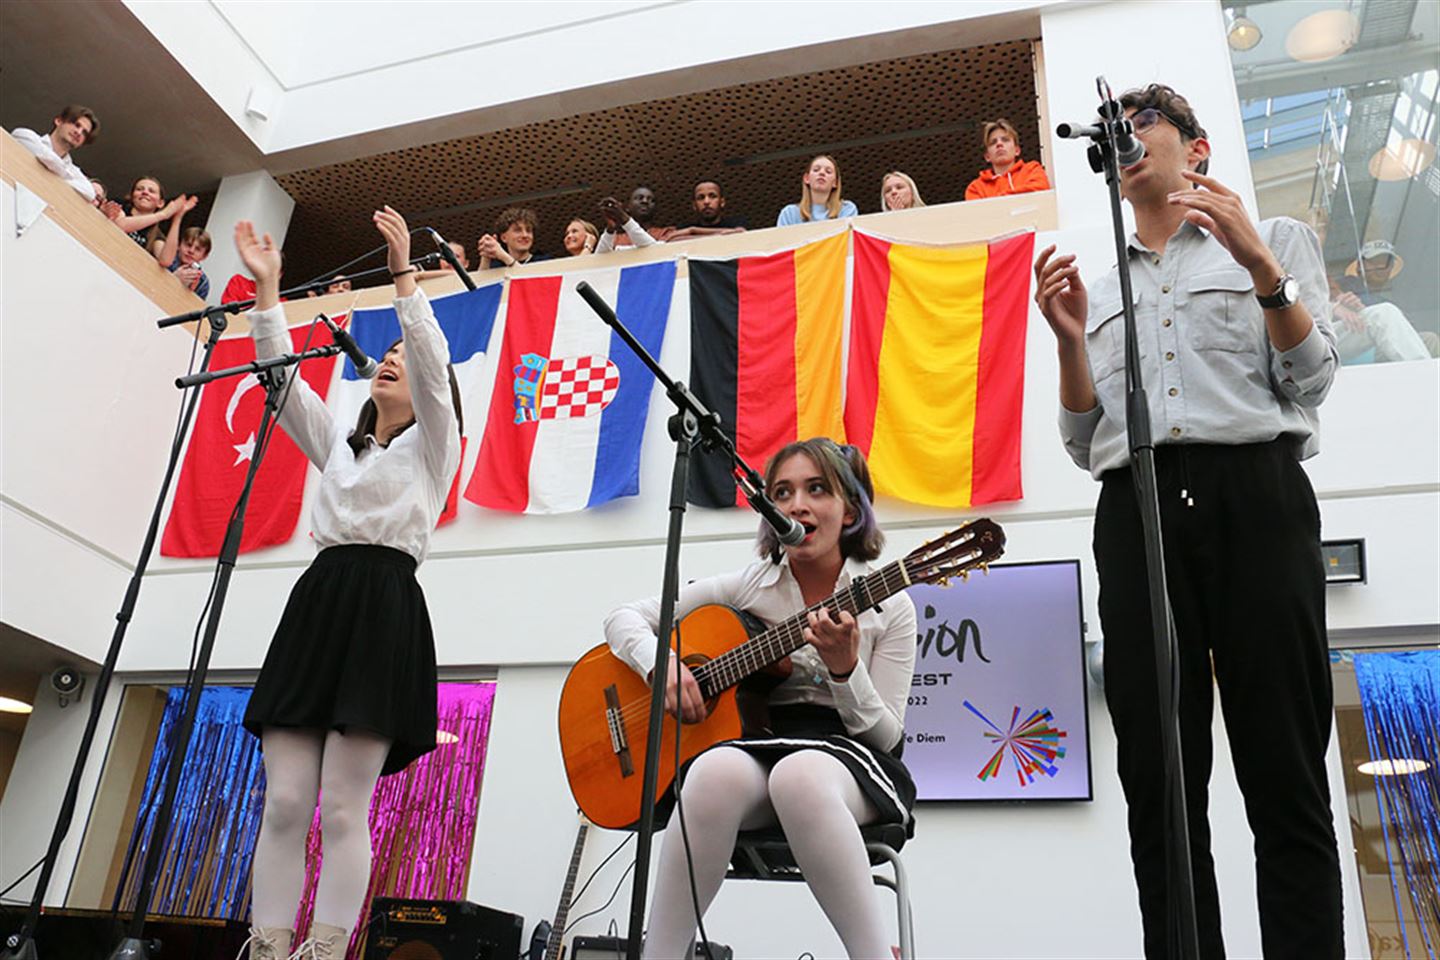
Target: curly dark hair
x,y
1173,107
513,215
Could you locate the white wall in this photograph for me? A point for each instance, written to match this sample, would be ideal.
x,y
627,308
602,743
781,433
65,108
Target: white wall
x,y
73,518
341,71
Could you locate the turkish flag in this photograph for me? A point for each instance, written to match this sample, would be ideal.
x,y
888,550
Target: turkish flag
x,y
219,455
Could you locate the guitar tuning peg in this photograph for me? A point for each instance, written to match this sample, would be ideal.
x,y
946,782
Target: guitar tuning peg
x,y
985,568
965,575
944,583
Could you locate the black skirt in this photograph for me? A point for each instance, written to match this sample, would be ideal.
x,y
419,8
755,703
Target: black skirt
x,y
881,776
353,649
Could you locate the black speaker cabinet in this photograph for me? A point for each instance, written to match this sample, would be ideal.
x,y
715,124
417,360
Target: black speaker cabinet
x,y
441,930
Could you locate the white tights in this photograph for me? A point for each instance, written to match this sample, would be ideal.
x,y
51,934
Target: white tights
x,y
342,769
820,808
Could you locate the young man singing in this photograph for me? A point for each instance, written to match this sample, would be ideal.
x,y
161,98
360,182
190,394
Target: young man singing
x,y
1233,321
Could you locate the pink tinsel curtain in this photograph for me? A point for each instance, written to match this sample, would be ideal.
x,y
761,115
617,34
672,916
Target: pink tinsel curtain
x,y
422,819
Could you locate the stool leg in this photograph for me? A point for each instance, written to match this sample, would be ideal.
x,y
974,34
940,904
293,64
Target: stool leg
x,y
905,919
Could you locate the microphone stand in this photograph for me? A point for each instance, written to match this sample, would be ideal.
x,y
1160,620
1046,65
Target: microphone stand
x,y
1180,902
271,373
692,421
20,945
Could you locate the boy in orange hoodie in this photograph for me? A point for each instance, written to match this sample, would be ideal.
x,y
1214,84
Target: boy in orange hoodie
x,y
1008,173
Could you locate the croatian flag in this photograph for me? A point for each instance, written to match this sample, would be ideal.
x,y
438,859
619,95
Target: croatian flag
x,y
467,320
570,401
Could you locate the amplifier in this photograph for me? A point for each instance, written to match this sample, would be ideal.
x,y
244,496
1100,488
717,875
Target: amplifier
x,y
441,930
613,948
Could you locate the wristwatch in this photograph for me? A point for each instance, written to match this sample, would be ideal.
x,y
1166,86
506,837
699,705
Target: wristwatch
x,y
1287,294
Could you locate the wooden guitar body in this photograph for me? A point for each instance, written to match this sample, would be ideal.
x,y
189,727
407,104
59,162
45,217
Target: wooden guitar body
x,y
605,713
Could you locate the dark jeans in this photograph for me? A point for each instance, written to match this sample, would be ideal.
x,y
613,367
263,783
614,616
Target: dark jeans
x,y
1248,592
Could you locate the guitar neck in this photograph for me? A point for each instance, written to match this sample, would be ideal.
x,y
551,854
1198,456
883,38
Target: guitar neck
x,y
783,639
562,912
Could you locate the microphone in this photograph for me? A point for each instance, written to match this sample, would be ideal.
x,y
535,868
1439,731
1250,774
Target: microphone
x,y
1077,131
1128,149
449,257
365,365
786,528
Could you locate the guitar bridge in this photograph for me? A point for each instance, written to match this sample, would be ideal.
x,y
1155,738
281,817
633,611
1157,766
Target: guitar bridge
x,y
614,722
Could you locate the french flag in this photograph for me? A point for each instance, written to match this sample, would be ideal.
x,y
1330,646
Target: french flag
x,y
570,401
467,320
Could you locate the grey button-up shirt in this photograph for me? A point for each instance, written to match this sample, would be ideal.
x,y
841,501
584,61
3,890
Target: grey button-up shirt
x,y
1211,373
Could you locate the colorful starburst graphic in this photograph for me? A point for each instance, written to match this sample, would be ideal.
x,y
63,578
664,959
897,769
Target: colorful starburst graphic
x,y
1032,744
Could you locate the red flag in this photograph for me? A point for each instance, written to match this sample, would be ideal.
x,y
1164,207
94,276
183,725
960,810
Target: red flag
x,y
219,457
452,498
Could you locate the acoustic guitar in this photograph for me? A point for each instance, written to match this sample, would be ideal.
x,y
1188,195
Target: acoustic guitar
x,y
605,705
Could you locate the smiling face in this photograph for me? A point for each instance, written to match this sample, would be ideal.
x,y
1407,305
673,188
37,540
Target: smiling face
x,y
897,193
821,178
802,492
145,196
575,237
518,239
73,133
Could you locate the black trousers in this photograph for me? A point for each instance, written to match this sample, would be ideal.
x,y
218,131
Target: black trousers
x,y
1247,588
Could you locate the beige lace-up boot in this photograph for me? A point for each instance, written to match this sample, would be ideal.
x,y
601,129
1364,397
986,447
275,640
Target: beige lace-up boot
x,y
267,943
324,943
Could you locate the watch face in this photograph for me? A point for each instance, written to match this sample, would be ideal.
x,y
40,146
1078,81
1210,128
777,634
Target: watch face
x,y
1290,290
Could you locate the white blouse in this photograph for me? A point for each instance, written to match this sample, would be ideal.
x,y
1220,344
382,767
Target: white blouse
x,y
388,496
871,702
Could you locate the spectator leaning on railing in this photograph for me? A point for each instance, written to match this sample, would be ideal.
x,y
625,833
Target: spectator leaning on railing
x,y
513,241
74,127
146,210
1008,173
193,247
819,196
710,219
621,229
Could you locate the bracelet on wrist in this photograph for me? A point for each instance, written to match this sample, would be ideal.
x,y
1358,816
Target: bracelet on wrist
x,y
400,273
841,677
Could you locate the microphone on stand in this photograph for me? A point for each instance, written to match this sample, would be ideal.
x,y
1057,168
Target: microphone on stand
x,y
787,529
365,365
448,255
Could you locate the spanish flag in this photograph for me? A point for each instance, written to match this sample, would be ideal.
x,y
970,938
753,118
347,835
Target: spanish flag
x,y
765,353
937,367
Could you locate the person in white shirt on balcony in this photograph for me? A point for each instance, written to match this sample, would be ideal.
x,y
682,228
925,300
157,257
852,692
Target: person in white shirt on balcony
x,y
74,127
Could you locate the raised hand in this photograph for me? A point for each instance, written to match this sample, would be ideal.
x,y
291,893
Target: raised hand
x,y
259,254
836,637
1217,209
614,214
1060,294
491,249
396,231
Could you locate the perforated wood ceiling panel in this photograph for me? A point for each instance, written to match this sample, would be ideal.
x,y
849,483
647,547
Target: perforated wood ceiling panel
x,y
918,114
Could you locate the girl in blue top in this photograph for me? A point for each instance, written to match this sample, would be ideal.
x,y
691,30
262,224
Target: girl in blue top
x,y
819,197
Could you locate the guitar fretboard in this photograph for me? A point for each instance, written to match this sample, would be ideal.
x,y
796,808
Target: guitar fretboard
x,y
562,912
779,641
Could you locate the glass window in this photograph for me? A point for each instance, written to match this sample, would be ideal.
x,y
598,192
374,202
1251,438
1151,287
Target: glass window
x,y
1339,101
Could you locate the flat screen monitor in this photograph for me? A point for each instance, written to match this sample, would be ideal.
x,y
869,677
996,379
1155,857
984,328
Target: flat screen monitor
x,y
998,704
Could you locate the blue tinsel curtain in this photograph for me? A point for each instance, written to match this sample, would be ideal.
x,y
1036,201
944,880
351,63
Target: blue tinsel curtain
x,y
1400,697
211,843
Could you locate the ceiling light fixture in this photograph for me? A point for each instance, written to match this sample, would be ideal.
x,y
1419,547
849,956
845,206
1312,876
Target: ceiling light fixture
x,y
11,705
1393,768
1401,161
1322,36
1241,32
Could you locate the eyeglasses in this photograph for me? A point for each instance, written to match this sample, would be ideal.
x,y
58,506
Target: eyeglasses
x,y
1145,119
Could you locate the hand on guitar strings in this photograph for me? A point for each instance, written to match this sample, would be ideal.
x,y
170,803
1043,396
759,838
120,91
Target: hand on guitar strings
x,y
836,637
692,704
